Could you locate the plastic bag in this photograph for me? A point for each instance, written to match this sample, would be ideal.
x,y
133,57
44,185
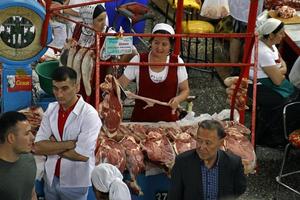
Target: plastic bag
x,y
215,9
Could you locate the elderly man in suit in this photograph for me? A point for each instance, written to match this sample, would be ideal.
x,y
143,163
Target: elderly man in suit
x,y
207,172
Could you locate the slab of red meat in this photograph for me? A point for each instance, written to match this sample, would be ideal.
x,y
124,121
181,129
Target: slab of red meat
x,y
110,151
184,142
134,161
240,99
191,130
111,109
242,147
159,149
236,141
139,131
229,125
172,133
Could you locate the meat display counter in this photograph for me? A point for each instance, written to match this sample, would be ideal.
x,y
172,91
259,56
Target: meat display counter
x,y
145,152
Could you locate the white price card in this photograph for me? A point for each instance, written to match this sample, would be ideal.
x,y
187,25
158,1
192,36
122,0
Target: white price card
x,y
115,45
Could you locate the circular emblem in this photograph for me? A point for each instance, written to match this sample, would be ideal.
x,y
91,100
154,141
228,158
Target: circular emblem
x,y
20,30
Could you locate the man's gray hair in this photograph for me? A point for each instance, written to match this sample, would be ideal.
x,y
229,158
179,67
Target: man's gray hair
x,y
213,125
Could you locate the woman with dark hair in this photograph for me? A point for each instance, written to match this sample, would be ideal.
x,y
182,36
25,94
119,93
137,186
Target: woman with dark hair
x,y
93,16
273,89
163,83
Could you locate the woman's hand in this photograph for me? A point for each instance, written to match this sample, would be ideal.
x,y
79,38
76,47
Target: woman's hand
x,y
174,103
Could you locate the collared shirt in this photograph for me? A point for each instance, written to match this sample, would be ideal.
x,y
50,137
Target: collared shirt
x,y
82,125
210,181
62,118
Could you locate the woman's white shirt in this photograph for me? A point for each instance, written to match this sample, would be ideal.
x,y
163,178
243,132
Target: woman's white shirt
x,y
132,71
266,58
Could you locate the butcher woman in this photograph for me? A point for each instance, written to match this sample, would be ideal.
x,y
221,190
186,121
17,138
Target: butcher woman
x,y
273,89
94,16
164,83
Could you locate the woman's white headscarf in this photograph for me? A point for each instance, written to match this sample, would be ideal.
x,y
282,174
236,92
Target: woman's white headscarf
x,y
163,27
267,26
108,178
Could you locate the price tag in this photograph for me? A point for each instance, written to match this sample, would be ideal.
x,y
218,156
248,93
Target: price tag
x,y
115,46
161,196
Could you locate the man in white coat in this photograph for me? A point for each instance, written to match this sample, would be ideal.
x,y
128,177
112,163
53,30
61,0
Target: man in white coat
x,y
68,135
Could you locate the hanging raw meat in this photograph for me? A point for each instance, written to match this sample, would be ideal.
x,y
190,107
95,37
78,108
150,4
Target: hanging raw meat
x,y
87,68
78,61
240,99
111,109
71,56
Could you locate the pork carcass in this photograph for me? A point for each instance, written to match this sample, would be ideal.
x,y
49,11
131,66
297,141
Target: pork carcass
x,y
159,149
110,151
78,61
111,109
134,162
87,70
34,115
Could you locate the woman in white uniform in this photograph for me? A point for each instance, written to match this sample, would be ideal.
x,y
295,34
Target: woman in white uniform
x,y
273,89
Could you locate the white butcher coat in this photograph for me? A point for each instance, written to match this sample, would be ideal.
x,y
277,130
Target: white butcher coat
x,y
83,125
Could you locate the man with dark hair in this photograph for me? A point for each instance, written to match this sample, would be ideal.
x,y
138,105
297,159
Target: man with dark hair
x,y
17,165
68,135
207,172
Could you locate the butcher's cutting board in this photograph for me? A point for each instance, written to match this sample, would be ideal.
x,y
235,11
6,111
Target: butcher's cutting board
x,y
292,20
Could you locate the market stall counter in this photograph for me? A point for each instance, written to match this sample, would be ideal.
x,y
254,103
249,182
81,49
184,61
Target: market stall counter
x,y
145,152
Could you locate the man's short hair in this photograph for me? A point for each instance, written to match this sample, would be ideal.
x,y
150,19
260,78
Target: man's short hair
x,y
63,73
213,125
8,122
